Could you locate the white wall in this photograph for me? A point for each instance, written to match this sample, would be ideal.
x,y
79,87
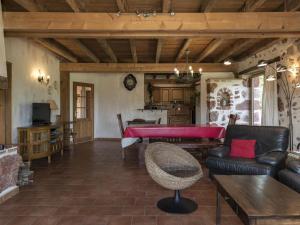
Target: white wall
x,y
27,58
3,71
201,107
110,98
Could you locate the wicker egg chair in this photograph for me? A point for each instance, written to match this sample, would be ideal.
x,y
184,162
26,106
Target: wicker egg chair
x,y
174,169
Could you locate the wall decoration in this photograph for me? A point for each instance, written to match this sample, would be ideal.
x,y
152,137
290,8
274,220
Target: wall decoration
x,y
225,97
129,82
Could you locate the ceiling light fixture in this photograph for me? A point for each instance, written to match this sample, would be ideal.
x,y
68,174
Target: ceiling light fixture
x,y
227,62
262,63
188,75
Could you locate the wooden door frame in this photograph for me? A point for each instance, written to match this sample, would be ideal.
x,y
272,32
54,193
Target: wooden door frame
x,y
6,85
75,83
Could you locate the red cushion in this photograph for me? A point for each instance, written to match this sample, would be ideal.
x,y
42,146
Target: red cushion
x,y
243,148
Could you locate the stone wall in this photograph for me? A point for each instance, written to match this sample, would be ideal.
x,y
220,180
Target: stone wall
x,y
225,97
289,51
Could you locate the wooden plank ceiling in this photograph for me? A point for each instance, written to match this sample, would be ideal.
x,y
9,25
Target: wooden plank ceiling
x,y
154,50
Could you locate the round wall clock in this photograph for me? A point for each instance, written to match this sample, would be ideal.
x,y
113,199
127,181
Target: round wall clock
x,y
130,82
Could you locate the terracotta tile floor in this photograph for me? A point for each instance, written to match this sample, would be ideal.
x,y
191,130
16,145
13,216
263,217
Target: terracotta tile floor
x,y
91,185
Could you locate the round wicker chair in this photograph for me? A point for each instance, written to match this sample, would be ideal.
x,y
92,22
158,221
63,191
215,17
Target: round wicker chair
x,y
174,169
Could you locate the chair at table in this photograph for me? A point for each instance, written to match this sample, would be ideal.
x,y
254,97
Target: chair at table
x,y
122,131
232,119
174,169
158,121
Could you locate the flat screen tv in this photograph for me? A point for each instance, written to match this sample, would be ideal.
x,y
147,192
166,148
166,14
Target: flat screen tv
x,y
41,113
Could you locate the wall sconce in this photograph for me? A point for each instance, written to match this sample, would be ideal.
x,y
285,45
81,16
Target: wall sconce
x,y
43,79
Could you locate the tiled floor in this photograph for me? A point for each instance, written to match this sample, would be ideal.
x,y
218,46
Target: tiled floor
x,y
91,185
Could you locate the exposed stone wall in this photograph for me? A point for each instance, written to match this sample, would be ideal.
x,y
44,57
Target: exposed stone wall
x,y
225,97
289,51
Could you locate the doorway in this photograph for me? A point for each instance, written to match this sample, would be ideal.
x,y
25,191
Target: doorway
x,y
83,111
5,107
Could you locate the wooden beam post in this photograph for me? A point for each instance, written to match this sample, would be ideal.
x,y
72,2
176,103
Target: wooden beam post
x,y
133,50
212,46
108,50
56,49
209,5
293,5
122,5
65,96
252,5
158,50
264,44
30,5
183,48
74,5
87,51
238,46
166,6
143,67
95,25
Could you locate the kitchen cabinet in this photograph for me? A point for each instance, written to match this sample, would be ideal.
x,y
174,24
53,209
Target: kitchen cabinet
x,y
165,95
177,94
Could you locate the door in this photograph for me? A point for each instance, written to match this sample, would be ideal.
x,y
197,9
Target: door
x,y
5,107
83,112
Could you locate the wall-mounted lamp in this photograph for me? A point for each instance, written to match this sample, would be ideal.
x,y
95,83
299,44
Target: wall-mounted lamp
x,y
43,79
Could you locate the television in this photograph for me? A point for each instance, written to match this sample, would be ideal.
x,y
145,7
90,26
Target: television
x,y
41,113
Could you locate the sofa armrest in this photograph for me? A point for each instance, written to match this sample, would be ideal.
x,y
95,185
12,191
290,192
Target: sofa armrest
x,y
294,165
272,158
219,152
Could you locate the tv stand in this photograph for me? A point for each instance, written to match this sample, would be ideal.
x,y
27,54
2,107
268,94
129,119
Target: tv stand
x,y
41,141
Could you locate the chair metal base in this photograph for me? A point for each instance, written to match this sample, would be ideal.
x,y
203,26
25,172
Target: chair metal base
x,y
177,205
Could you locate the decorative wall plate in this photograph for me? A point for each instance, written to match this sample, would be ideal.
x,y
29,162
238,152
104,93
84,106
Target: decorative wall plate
x,y
130,82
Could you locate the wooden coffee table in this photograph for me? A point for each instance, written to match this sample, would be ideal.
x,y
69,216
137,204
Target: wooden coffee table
x,y
258,200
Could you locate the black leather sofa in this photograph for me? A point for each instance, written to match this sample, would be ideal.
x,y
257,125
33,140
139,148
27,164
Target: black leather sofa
x,y
270,150
291,175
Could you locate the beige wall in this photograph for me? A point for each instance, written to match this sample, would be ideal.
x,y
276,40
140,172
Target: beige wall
x,y
111,97
3,71
27,58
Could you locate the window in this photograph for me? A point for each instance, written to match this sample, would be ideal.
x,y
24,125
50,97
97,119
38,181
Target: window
x,y
82,93
257,88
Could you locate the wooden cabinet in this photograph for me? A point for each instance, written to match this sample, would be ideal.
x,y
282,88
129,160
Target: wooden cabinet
x,y
39,142
177,94
156,95
165,95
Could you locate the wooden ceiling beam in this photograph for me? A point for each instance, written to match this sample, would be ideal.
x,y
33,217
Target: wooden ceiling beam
x,y
166,6
86,50
231,50
122,5
133,50
183,48
253,50
253,5
108,50
57,50
143,67
234,25
30,5
74,5
158,50
293,5
210,48
209,6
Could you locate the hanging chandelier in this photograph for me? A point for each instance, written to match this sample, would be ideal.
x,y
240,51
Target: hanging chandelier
x,y
188,75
